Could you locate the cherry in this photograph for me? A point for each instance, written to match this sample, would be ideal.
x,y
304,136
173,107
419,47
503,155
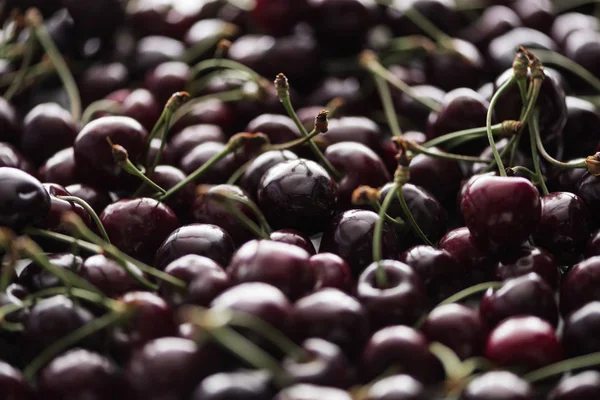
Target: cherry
x,y
528,259
438,176
580,334
501,212
565,180
203,152
23,199
331,315
279,128
305,391
330,270
11,157
402,300
96,18
524,295
578,285
81,373
581,47
210,209
527,341
569,22
538,14
59,206
350,236
202,239
257,299
188,138
346,88
52,318
93,156
564,226
237,385
588,189
170,368
402,346
582,386
60,168
167,176
425,209
138,226
413,110
10,124
354,129
257,168
493,22
294,237
277,18
97,199
498,385
98,81
109,276
34,278
360,166
458,327
282,265
323,364
463,66
151,51
167,78
141,105
401,387
298,194
580,132
443,14
592,248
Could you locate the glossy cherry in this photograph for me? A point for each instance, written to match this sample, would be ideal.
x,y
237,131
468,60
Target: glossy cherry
x,y
34,278
580,132
211,112
141,105
526,260
11,157
23,200
438,176
97,199
250,180
580,334
330,270
235,385
588,189
203,152
279,128
401,387
443,14
201,239
60,168
188,138
59,206
109,276
498,385
166,79
463,66
538,14
581,47
100,80
305,391
578,285
582,386
493,22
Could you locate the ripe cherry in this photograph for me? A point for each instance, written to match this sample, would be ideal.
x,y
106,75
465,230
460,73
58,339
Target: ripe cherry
x,y
23,200
498,385
578,286
528,259
461,245
331,270
109,276
581,386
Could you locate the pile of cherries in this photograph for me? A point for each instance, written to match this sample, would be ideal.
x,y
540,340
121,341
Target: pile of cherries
x,y
299,200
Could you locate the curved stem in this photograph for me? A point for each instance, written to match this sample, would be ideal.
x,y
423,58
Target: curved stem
x,y
510,147
411,220
535,130
473,133
553,58
68,341
228,96
245,220
23,69
102,105
293,143
417,148
34,18
586,361
423,23
131,169
199,49
264,225
535,91
488,123
470,291
388,104
91,212
534,154
381,276
223,63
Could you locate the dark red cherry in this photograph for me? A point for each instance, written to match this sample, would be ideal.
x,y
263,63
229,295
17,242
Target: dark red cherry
x,y
497,385
400,387
461,245
569,22
501,212
413,110
582,46
167,176
211,112
141,105
11,157
323,363
294,237
95,19
210,209
282,265
23,199
537,14
13,383
277,18
402,346
331,315
581,133
138,226
305,391
151,51
258,299
109,276
170,368
166,79
582,386
592,248
52,318
202,239
59,206
588,189
402,300
566,179
257,168
236,385
458,327
564,227
463,66
524,295
439,177
10,124
47,128
346,88
93,155
81,373
360,166
97,199
527,342
298,194
279,128
579,285
493,22
528,259
60,168
442,275
188,138
205,280
35,278
203,35
331,270
98,81
203,152
443,14
354,129
580,334
350,236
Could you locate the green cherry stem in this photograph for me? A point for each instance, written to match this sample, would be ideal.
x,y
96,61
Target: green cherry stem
x,y
389,110
283,92
370,62
91,212
30,46
251,205
34,19
225,97
70,340
550,57
502,129
411,219
381,276
228,30
102,105
586,361
534,155
417,148
535,130
506,85
223,64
